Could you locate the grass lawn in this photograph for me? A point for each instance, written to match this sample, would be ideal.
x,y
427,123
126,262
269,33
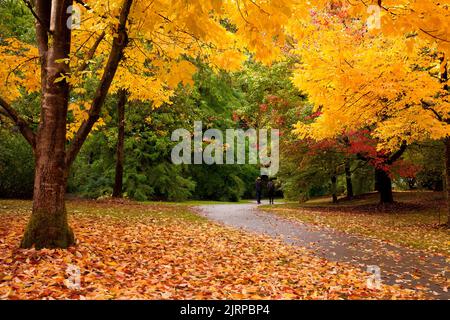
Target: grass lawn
x,y
416,221
195,202
130,250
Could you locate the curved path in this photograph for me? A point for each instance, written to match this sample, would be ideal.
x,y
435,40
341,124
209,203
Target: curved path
x,y
398,265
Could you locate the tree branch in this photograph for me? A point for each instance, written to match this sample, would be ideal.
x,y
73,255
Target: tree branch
x,y
21,123
428,33
35,15
91,52
4,113
394,157
85,5
436,114
43,8
119,44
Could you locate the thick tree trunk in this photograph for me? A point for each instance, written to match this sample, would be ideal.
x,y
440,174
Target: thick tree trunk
x,y
120,155
348,180
48,227
383,182
384,186
447,178
334,189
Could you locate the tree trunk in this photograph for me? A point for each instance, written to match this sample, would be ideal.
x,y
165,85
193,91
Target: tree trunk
x,y
384,186
447,178
334,189
444,80
48,227
348,180
120,155
383,180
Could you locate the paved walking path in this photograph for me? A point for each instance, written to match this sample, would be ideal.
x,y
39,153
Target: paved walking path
x,y
398,265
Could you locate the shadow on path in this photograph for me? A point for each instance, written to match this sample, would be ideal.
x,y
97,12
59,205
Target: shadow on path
x,y
407,268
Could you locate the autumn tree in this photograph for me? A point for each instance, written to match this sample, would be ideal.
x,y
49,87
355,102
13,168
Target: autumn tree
x,y
128,44
415,21
360,80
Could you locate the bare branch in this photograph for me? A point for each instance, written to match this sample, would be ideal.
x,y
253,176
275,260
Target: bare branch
x,y
21,123
395,156
428,106
433,36
85,5
35,15
91,52
17,68
4,113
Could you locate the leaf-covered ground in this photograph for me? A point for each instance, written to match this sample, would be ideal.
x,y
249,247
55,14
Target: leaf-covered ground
x,y
128,250
416,221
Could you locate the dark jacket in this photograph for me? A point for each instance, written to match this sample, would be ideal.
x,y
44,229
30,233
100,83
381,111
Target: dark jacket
x,y
270,187
258,185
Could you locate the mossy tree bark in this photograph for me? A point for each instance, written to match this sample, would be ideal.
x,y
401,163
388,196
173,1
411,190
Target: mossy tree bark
x,y
48,226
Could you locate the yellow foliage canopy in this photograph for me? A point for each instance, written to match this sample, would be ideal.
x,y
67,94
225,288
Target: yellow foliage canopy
x,y
360,80
383,78
164,37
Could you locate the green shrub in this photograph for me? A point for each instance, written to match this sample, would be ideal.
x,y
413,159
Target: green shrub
x,y
16,166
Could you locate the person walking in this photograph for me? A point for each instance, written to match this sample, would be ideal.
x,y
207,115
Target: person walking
x,y
271,191
258,187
